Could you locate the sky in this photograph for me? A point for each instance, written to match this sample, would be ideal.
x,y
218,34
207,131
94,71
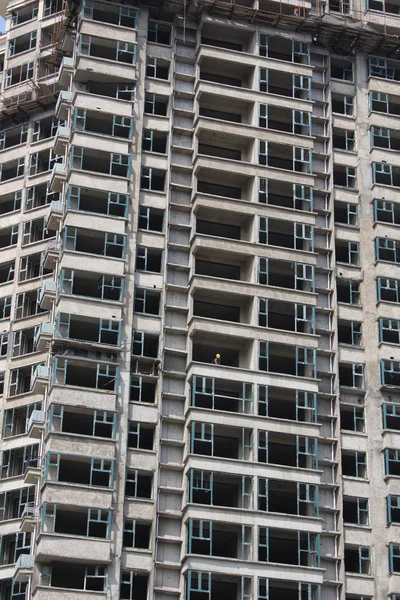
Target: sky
x,y
2,25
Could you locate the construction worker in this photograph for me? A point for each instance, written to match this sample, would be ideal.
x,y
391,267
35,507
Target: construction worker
x,y
217,359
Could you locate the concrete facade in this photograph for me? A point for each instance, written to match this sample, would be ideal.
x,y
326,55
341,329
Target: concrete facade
x,y
177,181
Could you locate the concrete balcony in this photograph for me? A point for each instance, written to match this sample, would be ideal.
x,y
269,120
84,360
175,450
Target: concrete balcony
x,y
54,215
80,495
394,583
7,254
361,584
223,93
66,70
36,424
204,283
94,140
32,471
103,103
275,425
57,177
51,254
146,460
390,438
24,568
383,20
381,230
78,396
224,168
142,561
354,441
241,133
6,572
143,507
51,593
387,86
243,374
251,468
21,29
98,181
10,526
47,295
204,244
43,336
84,445
242,207
29,518
40,379
93,262
356,535
285,521
14,152
248,332
103,67
63,105
58,547
392,157
86,306
43,144
251,568
108,30
61,139
236,58
99,222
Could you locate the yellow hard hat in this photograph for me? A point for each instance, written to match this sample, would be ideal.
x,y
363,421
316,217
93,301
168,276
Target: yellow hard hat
x,y
217,356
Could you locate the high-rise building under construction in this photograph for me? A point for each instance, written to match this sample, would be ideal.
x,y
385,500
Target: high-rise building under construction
x,y
181,179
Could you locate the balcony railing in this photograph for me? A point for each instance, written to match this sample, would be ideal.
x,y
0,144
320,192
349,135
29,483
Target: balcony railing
x,y
39,378
30,510
23,567
54,214
37,416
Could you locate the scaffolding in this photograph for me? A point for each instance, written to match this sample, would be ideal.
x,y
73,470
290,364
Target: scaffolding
x,y
57,38
21,100
342,33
